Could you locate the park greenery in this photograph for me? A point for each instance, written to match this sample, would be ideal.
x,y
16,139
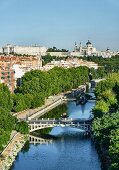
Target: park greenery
x,y
36,87
48,58
109,64
106,123
7,121
54,49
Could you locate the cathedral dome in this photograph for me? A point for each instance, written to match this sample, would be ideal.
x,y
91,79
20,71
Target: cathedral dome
x,y
88,43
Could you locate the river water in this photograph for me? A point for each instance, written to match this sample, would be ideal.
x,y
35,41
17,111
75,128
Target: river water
x,y
72,150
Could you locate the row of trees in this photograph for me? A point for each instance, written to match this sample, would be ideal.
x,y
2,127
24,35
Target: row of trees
x,y
36,87
54,49
106,123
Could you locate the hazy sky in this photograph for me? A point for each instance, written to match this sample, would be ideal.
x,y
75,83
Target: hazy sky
x,y
60,22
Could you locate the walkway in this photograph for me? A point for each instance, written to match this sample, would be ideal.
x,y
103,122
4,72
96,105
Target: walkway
x,y
50,103
7,156
30,112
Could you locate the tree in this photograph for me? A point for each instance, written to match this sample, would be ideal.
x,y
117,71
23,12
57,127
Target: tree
x,y
5,97
22,127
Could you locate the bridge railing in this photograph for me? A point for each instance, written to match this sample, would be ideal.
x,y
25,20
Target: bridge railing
x,y
61,120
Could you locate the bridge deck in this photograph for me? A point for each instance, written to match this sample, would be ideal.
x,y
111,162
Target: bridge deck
x,y
83,124
65,120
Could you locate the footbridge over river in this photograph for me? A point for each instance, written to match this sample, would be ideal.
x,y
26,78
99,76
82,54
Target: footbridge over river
x,y
81,123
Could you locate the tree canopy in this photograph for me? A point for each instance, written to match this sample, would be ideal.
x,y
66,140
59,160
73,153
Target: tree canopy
x,y
105,126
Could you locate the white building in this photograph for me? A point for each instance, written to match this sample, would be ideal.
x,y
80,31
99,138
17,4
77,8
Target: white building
x,y
24,50
87,50
59,54
1,50
107,53
69,63
19,72
90,50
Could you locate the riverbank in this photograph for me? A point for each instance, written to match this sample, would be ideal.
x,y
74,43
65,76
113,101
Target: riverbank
x,y
103,155
10,152
69,143
18,141
50,103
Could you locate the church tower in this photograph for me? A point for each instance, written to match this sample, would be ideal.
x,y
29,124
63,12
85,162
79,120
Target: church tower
x,y
76,47
80,47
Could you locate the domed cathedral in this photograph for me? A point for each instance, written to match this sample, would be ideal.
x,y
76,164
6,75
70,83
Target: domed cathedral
x,y
85,50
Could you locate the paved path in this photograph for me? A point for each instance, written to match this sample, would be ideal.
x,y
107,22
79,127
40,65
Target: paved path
x,y
29,112
8,151
50,101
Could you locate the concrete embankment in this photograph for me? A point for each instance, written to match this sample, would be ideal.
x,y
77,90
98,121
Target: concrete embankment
x,y
50,103
11,150
46,109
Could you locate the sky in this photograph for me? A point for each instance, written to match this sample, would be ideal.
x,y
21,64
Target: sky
x,y
60,23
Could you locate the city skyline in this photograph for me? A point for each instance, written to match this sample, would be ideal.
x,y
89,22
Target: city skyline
x,y
60,23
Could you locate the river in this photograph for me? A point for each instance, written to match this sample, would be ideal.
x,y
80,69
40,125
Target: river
x,y
72,150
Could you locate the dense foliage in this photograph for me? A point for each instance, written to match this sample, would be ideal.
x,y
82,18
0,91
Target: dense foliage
x,y
54,49
110,64
36,87
48,58
7,121
106,123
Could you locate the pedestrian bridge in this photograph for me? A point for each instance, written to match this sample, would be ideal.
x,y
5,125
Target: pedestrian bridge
x,y
82,123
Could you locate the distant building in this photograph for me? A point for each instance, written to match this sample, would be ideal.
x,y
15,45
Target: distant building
x,y
59,54
90,50
1,51
69,63
107,53
14,67
29,62
87,50
7,77
24,50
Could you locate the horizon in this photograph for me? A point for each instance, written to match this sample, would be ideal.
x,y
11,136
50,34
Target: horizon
x,y
60,24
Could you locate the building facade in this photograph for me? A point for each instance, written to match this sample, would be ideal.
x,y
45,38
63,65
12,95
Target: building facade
x,y
7,76
87,50
14,67
59,54
24,50
90,50
69,63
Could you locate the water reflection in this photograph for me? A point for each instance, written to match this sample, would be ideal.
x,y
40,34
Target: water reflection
x,y
70,150
80,111
39,140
